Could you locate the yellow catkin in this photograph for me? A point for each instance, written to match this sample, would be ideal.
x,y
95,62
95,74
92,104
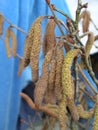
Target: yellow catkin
x,y
58,79
62,113
29,42
41,85
49,37
34,56
85,15
1,23
14,42
89,43
83,113
67,84
7,43
95,124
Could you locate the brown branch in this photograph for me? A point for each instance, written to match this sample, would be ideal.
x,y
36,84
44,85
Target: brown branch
x,y
14,26
87,81
55,19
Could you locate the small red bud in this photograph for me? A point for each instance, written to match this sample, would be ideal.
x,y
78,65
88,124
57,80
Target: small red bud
x,y
53,7
48,2
51,17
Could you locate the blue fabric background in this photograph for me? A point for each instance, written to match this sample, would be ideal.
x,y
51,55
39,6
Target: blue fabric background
x,y
21,13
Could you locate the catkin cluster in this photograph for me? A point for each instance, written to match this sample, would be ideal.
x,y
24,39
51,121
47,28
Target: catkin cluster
x,y
55,90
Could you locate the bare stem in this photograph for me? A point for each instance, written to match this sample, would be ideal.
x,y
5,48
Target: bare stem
x,y
87,81
66,15
79,7
55,19
14,26
94,25
84,34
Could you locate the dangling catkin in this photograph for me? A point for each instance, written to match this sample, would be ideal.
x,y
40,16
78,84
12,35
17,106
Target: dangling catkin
x,y
67,84
73,110
51,82
27,50
1,23
89,43
62,113
84,114
29,42
95,124
41,85
58,78
7,43
88,47
20,66
86,20
52,74
14,42
34,55
49,37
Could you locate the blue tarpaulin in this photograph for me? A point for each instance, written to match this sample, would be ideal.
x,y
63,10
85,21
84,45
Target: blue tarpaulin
x,y
21,13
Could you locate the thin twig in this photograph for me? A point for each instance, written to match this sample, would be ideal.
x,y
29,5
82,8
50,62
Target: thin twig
x,y
62,23
79,7
66,15
84,91
87,81
55,19
84,34
94,25
14,26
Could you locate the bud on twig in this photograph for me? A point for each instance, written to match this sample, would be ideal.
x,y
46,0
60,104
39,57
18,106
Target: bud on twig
x,y
48,2
85,5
